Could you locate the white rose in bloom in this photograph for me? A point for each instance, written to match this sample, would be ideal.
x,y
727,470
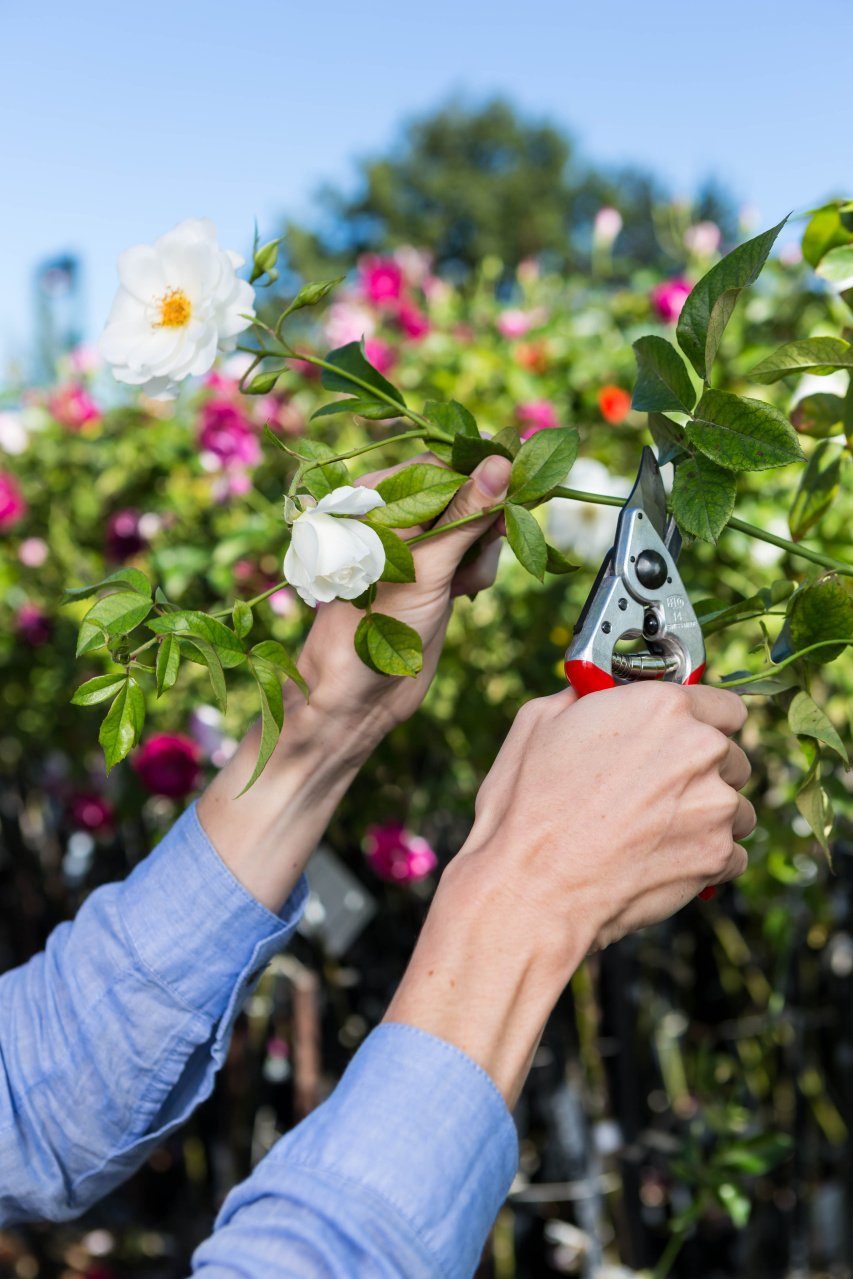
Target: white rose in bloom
x,y
331,556
581,528
179,303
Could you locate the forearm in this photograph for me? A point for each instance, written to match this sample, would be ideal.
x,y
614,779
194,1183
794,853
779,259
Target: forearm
x,y
267,836
483,975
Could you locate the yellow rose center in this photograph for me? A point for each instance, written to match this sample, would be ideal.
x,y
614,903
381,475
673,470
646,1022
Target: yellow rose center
x,y
175,310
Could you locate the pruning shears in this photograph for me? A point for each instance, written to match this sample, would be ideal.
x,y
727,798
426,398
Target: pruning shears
x,y
638,595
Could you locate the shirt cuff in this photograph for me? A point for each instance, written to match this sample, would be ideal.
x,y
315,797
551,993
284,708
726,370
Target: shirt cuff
x,y
417,1123
195,927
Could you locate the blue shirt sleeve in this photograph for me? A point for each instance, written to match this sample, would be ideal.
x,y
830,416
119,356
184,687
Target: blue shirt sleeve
x,y
112,1035
400,1173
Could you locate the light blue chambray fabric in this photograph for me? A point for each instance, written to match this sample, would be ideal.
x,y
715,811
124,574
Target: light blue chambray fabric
x,y
111,1037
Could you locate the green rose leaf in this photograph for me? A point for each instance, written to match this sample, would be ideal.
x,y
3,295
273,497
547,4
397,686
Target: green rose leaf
x,y
662,378
836,266
123,723
241,618
210,658
703,497
389,646
331,474
813,805
709,307
818,415
818,488
200,626
556,561
168,661
526,539
806,719
275,654
826,230
99,689
742,434
415,495
716,617
542,463
272,715
467,453
372,409
755,1155
820,612
131,578
399,564
350,362
814,355
452,418
668,437
111,617
508,439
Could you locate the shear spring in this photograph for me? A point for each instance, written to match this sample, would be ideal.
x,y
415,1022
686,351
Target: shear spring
x,y
642,665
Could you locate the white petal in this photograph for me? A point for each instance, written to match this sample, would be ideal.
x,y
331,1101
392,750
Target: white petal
x,y
141,272
348,500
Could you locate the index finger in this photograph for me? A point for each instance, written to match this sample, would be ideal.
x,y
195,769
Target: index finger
x,y
718,707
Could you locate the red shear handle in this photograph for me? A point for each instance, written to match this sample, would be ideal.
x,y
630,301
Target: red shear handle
x,y
586,677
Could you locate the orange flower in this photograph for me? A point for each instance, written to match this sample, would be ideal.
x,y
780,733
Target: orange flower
x,y
533,356
614,404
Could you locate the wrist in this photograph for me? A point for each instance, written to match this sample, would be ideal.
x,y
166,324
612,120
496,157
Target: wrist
x,y
483,977
267,835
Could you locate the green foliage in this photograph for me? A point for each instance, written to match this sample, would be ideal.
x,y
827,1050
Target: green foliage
x,y
197,626
351,367
820,612
742,434
662,380
526,539
542,463
814,355
399,564
122,726
806,719
709,308
389,646
703,497
415,495
818,489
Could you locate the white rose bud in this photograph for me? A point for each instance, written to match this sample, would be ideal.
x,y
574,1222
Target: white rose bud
x,y
331,556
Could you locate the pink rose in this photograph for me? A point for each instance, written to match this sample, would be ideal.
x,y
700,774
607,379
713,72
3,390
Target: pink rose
x,y
33,625
536,415
12,505
668,299
73,406
168,764
382,356
703,239
381,279
124,537
412,320
395,854
514,323
226,433
90,811
33,552
346,321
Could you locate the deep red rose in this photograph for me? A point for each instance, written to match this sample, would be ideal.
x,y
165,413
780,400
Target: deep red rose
x,y
168,764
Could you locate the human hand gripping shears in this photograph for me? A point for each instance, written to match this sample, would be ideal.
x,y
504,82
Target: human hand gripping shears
x,y
638,595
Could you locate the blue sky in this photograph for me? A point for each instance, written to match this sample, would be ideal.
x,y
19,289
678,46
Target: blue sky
x,y
117,121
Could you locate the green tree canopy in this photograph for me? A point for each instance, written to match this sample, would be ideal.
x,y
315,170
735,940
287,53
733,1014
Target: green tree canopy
x,y
469,182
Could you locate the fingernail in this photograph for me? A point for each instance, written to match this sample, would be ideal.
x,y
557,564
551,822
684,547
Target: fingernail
x,y
492,476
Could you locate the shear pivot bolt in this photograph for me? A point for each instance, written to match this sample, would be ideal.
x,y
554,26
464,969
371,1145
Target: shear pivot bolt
x,y
651,569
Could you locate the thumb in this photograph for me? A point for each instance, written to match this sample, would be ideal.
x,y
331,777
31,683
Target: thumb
x,y
486,487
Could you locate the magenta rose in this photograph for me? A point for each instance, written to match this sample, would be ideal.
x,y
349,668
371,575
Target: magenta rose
x,y
396,855
381,279
412,321
668,298
124,538
73,406
12,505
225,432
514,323
33,625
536,415
168,764
90,811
